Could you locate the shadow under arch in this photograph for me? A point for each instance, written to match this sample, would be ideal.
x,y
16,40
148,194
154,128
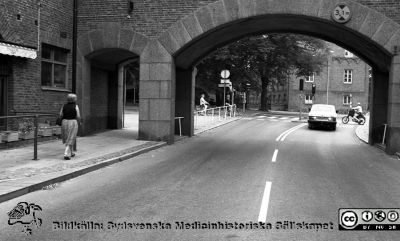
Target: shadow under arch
x,y
104,88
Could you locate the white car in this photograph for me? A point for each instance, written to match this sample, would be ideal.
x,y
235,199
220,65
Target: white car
x,y
322,115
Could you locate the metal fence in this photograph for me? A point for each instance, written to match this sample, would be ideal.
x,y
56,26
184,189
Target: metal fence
x,y
29,125
210,115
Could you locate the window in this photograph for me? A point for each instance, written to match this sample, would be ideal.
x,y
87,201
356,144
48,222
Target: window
x,y
54,67
309,79
346,99
308,99
348,76
348,54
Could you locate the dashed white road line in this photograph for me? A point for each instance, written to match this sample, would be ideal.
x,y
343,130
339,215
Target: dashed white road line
x,y
262,216
275,155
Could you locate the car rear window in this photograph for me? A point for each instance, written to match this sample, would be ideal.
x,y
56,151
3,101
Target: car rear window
x,y
323,108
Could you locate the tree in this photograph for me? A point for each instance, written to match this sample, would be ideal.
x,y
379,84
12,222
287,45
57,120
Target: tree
x,y
263,60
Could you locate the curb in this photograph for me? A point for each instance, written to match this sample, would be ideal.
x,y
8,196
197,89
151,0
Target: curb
x,y
239,118
357,132
77,173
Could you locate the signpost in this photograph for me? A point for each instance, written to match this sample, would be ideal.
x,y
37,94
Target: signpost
x,y
224,81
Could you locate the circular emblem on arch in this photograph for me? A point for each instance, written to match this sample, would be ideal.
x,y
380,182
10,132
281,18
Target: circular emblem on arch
x,y
341,13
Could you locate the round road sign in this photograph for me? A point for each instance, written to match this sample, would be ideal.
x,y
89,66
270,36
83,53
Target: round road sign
x,y
225,74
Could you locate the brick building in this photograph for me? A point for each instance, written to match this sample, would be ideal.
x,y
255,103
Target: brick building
x,y
35,56
165,39
344,79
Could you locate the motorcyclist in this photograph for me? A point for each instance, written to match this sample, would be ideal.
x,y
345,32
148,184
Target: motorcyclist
x,y
358,110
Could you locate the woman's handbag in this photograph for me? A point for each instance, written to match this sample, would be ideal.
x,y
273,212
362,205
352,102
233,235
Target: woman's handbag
x,y
58,121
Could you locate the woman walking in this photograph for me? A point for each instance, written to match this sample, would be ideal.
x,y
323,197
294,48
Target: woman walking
x,y
70,116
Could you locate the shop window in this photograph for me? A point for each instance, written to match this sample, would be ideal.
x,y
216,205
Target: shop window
x,y
54,67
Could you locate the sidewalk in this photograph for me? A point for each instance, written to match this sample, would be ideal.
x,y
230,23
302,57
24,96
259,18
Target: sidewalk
x,y
19,174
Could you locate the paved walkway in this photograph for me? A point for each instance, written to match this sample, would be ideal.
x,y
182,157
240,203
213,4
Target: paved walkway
x,y
20,174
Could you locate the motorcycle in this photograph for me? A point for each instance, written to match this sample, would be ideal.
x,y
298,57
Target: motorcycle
x,y
360,119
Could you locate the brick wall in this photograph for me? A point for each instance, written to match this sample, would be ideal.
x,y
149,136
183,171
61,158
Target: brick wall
x,y
390,8
149,17
25,91
152,17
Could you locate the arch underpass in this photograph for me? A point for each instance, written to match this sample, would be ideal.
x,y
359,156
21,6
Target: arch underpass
x,y
174,54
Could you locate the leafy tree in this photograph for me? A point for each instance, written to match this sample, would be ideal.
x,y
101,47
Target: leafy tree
x,y
263,60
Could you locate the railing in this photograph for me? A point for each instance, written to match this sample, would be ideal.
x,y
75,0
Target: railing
x,y
28,126
216,113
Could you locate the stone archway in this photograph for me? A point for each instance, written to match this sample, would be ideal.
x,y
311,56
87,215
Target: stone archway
x,y
369,34
104,49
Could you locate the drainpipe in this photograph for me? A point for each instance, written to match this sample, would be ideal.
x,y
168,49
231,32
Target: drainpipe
x,y
74,44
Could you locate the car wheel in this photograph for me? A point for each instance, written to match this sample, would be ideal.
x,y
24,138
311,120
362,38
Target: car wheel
x,y
310,126
333,127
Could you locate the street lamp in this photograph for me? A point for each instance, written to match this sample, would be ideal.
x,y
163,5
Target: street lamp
x,y
327,83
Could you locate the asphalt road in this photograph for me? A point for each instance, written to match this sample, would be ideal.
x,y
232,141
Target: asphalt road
x,y
246,171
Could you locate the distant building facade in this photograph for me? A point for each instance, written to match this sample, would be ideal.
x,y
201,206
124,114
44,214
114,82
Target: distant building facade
x,y
344,80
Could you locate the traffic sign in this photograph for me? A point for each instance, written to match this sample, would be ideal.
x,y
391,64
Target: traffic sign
x,y
225,85
225,73
341,13
226,81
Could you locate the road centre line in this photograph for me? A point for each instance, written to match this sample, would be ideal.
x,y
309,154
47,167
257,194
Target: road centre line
x,y
283,133
275,155
287,133
262,216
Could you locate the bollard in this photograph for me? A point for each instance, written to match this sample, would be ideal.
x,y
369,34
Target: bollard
x,y
384,134
35,140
